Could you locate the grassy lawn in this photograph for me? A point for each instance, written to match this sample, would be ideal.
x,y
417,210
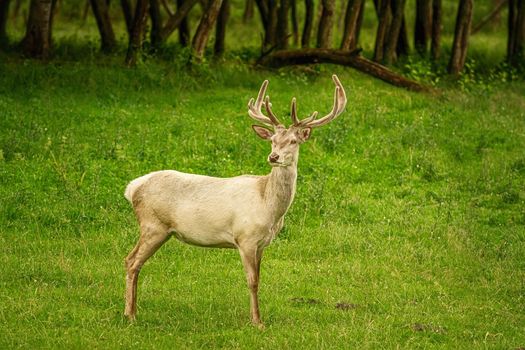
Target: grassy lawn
x,y
408,227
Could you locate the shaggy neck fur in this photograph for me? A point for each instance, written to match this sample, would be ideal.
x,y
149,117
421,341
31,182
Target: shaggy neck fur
x,y
280,189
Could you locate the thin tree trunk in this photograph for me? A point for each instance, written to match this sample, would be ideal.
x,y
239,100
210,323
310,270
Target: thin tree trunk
x,y
127,11
403,47
435,46
107,36
382,27
295,23
516,46
308,23
324,34
205,27
175,21
184,27
4,12
398,13
359,23
156,23
461,36
494,14
248,11
137,29
353,12
270,38
282,25
36,42
220,30
423,25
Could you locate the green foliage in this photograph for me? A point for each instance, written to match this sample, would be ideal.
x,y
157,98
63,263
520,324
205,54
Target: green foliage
x,y
408,227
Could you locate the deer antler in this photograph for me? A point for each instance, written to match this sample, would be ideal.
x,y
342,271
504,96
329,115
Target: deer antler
x,y
254,108
337,109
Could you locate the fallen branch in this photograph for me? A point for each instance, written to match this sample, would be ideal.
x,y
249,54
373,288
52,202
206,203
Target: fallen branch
x,y
342,57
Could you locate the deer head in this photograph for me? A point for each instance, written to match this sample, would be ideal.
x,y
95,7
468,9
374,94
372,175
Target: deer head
x,y
286,141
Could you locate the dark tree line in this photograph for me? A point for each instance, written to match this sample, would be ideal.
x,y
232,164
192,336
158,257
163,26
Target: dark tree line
x,y
281,27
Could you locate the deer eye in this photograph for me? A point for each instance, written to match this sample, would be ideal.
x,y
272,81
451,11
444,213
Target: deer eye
x,y
293,142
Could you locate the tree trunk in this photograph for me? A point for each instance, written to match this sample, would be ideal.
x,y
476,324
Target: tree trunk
x,y
295,23
324,34
136,35
282,25
423,25
156,23
220,30
127,10
107,36
4,12
394,30
36,42
353,12
175,21
341,57
461,36
516,32
403,47
184,27
382,28
308,23
359,23
435,46
205,26
248,11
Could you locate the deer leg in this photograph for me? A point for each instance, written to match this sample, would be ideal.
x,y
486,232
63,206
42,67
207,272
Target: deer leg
x,y
151,239
251,260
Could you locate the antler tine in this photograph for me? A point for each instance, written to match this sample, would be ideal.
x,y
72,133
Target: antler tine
x,y
271,116
293,113
337,109
254,108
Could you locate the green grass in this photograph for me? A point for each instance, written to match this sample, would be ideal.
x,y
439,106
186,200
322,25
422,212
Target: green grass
x,y
409,207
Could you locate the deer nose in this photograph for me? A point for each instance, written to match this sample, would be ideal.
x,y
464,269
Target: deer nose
x,y
274,157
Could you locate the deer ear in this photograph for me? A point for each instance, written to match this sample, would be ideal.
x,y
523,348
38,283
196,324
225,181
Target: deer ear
x,y
304,134
263,133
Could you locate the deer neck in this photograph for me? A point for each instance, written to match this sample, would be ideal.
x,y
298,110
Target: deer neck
x,y
280,189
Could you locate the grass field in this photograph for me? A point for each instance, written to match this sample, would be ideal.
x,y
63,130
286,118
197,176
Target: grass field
x,y
408,227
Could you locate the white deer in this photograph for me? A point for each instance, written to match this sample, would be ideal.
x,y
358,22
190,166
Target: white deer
x,y
244,212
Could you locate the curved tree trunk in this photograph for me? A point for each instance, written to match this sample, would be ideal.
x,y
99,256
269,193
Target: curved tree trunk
x,y
341,57
324,34
107,36
205,26
461,36
37,40
308,23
